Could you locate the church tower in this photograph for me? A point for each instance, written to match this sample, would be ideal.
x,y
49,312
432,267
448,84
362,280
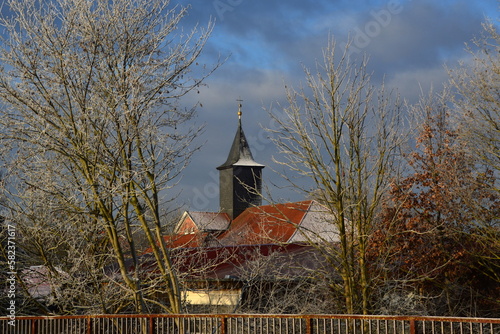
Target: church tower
x,y
240,177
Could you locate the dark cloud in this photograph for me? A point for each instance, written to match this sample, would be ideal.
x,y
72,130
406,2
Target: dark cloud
x,y
269,41
424,34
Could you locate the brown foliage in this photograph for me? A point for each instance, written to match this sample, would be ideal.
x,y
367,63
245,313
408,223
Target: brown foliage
x,y
428,233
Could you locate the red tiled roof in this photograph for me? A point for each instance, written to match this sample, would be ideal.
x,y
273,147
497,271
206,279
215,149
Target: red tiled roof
x,y
266,224
276,234
184,240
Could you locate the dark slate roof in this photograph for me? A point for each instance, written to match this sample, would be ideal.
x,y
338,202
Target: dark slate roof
x,y
240,154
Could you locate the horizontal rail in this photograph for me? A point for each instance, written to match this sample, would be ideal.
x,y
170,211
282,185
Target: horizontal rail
x,y
246,323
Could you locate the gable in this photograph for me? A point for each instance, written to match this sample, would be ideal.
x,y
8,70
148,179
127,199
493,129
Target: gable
x,y
195,222
186,225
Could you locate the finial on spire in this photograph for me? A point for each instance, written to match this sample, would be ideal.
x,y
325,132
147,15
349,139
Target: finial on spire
x,y
239,108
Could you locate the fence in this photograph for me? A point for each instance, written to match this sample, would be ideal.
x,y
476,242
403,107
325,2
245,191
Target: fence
x,y
247,324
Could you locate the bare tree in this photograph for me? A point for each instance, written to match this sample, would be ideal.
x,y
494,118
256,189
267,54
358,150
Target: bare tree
x,y
340,133
64,260
478,86
282,282
90,91
477,83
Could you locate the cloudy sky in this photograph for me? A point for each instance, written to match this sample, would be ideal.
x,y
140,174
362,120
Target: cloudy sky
x,y
269,41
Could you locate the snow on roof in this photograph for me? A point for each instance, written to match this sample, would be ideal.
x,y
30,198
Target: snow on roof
x,y
214,221
38,280
246,161
318,225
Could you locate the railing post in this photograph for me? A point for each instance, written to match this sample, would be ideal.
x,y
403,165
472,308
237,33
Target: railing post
x,y
223,325
308,325
412,326
89,325
33,326
151,325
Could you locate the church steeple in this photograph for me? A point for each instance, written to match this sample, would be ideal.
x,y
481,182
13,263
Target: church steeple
x,y
240,176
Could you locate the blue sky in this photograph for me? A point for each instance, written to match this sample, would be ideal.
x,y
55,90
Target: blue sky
x,y
269,42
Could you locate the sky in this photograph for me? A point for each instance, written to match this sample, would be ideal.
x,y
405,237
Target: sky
x,y
267,44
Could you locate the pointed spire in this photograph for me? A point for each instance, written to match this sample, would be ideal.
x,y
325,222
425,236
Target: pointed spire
x,y
239,154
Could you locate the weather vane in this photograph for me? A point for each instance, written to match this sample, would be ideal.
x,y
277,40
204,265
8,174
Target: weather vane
x,y
239,107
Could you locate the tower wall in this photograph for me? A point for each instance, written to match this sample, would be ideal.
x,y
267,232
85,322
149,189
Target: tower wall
x,y
240,188
247,188
226,191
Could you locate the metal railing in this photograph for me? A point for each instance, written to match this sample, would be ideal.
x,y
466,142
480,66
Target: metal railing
x,y
247,324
